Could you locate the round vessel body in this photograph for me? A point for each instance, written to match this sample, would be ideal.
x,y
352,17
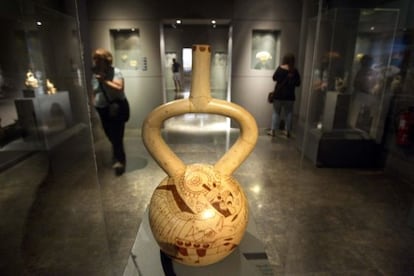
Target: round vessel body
x,y
199,218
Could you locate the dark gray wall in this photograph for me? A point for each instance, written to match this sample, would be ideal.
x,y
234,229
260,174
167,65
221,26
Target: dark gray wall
x,y
249,87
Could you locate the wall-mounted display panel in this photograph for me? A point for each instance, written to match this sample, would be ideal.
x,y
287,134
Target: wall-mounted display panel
x,y
265,49
126,44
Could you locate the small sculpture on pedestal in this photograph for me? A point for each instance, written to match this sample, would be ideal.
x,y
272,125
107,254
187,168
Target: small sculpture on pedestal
x,y
31,82
51,89
32,85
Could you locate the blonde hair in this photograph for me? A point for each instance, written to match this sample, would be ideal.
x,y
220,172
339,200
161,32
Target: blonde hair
x,y
103,54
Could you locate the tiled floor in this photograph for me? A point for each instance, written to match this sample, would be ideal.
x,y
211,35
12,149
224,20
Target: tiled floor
x,y
313,221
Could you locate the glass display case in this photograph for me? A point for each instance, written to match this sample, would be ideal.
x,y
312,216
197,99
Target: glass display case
x,y
46,147
347,93
43,94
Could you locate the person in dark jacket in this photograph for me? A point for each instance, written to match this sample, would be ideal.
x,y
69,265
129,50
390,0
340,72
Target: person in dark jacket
x,y
176,68
287,78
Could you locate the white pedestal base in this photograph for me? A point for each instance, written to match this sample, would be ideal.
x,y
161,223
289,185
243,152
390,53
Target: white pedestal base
x,y
249,259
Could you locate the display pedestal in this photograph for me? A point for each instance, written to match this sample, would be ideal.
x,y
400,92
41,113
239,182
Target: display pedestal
x,y
338,144
335,112
349,148
248,259
44,116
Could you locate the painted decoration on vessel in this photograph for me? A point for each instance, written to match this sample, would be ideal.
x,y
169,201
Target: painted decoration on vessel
x,y
200,217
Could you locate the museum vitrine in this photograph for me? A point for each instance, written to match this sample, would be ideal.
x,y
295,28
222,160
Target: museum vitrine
x,y
46,147
43,83
346,94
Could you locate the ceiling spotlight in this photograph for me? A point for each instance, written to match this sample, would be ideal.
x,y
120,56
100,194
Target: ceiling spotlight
x,y
178,21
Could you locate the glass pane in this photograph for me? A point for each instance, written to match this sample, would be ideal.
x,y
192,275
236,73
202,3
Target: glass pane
x,y
347,94
51,203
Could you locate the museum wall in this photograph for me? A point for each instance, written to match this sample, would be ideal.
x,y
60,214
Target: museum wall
x,y
245,16
250,86
149,10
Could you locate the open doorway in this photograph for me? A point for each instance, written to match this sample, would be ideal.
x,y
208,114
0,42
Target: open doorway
x,y
177,38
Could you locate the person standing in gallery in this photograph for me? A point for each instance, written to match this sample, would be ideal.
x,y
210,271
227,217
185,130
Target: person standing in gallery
x,y
287,78
176,68
108,88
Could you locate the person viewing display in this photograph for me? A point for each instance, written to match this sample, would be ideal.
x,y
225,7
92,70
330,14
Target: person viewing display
x,y
111,104
287,78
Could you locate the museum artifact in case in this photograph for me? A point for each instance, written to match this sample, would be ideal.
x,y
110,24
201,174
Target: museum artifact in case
x,y
198,214
265,49
127,49
346,96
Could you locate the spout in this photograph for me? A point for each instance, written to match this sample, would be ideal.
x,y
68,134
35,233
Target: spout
x,y
200,92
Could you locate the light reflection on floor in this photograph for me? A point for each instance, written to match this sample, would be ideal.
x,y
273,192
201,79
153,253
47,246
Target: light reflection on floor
x,y
198,122
185,94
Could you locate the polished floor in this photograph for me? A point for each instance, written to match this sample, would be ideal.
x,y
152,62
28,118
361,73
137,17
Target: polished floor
x,y
83,220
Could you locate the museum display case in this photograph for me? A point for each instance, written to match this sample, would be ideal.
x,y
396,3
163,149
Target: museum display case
x,y
46,146
43,92
346,94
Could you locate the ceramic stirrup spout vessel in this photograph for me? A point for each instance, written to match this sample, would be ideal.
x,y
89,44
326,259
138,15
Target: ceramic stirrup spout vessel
x,y
198,214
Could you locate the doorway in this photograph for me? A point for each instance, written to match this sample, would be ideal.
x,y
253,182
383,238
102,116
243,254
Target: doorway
x,y
177,38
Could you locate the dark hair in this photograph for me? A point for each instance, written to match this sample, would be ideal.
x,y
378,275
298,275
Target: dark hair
x,y
289,59
366,61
